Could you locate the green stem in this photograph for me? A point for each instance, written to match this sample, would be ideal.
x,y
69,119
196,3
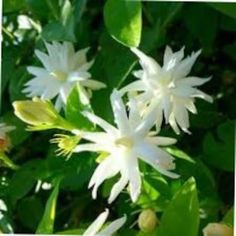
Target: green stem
x,y
7,161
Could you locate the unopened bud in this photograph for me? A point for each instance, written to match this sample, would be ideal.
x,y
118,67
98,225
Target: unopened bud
x,y
147,220
217,229
40,114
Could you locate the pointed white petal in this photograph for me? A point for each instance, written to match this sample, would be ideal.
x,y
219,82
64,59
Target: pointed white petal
x,y
157,158
89,147
117,188
113,227
162,141
173,123
99,121
149,64
134,178
119,111
181,116
193,81
106,169
45,60
97,224
93,84
149,120
134,86
185,66
200,94
171,60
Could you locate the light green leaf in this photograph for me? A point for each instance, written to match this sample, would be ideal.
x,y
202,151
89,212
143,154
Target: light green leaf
x,y
47,222
123,21
182,215
229,217
179,154
75,105
219,151
228,9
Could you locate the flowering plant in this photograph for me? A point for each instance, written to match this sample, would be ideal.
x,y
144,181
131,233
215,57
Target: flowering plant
x,y
119,114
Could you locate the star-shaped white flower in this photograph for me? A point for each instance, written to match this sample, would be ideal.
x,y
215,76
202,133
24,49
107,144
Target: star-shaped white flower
x,y
93,229
63,68
124,145
168,89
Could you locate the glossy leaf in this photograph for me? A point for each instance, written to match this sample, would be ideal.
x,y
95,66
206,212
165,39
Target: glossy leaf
x,y
46,225
182,215
125,29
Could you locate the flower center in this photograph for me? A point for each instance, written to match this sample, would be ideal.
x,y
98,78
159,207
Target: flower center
x,y
125,142
59,74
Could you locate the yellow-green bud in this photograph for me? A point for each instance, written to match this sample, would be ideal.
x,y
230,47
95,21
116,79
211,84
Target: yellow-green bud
x,y
217,229
40,114
147,220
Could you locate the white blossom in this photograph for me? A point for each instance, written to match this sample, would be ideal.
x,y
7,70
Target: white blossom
x,y
93,229
63,69
168,89
123,145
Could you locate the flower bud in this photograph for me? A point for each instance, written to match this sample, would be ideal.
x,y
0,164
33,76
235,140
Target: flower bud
x,y
40,114
147,220
217,229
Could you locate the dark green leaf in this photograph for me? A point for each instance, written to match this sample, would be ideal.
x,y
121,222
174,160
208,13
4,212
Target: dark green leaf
x,y
219,149
30,211
228,9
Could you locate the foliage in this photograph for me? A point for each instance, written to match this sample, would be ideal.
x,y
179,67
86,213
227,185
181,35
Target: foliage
x,y
204,159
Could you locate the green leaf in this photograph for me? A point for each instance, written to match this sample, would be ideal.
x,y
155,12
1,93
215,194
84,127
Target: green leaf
x,y
76,103
17,81
13,5
206,33
46,224
30,211
182,215
22,181
112,66
56,31
228,9
219,149
123,21
229,217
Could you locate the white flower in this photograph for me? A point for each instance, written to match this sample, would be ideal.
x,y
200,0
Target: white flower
x,y
124,145
4,129
109,230
63,69
168,88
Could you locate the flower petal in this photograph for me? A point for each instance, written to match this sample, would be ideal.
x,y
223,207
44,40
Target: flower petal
x,y
99,121
149,64
118,187
113,227
119,111
97,224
